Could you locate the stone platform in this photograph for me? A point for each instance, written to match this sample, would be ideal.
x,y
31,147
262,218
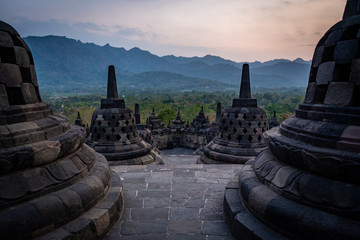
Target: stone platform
x,y
178,200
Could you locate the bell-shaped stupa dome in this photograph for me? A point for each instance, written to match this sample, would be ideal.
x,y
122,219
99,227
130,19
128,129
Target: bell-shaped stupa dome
x,y
240,134
114,133
50,181
307,184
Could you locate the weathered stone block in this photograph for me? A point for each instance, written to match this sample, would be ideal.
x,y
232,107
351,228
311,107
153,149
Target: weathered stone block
x,y
33,75
22,57
52,210
19,221
13,186
10,75
4,132
339,93
23,44
72,202
355,66
23,128
29,94
318,55
82,229
101,219
355,72
355,77
36,179
345,51
86,194
4,102
334,37
59,233
5,40
325,73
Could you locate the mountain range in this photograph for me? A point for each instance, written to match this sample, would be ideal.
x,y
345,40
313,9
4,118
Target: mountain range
x,y
65,64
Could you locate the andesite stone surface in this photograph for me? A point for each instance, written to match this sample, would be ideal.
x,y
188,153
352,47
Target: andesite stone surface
x,y
52,185
178,200
307,184
240,136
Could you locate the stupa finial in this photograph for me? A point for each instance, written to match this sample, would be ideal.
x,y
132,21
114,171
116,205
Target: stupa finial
x,y
112,86
218,112
245,82
137,113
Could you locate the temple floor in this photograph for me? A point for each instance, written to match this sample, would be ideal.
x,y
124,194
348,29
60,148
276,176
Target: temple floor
x,y
178,200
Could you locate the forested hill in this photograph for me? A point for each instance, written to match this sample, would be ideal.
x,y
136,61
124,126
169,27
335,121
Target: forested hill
x,y
65,64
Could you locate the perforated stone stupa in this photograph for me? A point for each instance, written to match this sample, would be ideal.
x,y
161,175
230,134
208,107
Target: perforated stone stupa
x,y
307,184
142,130
114,133
178,123
200,122
154,122
240,136
52,184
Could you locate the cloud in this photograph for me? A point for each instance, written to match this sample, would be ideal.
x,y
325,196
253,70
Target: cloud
x,y
300,32
112,30
80,30
307,45
239,30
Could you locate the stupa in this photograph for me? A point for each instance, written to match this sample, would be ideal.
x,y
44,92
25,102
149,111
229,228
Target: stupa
x,y
200,122
52,185
154,122
178,123
78,121
114,133
142,130
214,127
240,136
307,184
274,121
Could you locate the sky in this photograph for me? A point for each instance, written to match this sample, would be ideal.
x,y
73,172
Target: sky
x,y
239,30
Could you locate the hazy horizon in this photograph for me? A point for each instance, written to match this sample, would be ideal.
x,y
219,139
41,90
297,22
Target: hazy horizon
x,y
233,29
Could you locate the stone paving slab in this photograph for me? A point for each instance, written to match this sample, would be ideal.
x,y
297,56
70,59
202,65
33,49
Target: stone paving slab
x,y
178,200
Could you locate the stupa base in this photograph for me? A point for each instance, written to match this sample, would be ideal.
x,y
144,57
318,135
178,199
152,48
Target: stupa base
x,y
95,223
242,223
255,210
151,158
215,153
86,209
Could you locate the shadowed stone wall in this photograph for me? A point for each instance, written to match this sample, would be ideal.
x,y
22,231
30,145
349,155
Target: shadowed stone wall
x,y
307,184
52,185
